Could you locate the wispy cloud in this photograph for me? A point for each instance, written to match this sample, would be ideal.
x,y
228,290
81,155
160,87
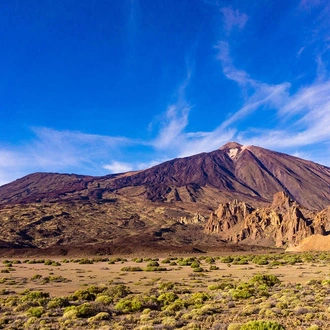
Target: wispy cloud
x,y
310,108
258,93
53,150
118,167
175,119
233,18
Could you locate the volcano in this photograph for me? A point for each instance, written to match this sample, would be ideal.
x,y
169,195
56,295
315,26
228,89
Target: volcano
x,y
164,205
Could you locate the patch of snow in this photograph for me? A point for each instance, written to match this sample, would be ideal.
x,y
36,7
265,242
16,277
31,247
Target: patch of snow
x,y
233,152
244,147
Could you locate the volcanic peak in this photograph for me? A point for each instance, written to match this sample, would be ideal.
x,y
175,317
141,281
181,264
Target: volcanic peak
x,y
233,149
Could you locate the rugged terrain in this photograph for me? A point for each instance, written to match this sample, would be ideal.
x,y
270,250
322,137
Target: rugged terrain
x,y
174,205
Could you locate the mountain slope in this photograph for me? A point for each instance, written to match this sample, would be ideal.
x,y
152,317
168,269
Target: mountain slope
x,y
248,173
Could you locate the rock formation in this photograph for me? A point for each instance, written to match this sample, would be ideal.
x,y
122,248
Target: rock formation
x,y
282,223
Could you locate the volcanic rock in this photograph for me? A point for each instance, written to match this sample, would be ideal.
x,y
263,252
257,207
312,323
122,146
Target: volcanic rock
x,y
283,222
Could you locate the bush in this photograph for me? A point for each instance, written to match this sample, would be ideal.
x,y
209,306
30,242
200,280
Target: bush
x,y
34,295
119,291
35,311
152,263
262,325
83,295
198,269
186,261
269,280
86,310
167,298
260,260
136,304
99,317
227,259
155,269
131,269
58,302
105,300
85,261
130,305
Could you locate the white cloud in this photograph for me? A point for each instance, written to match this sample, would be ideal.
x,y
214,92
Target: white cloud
x,y
175,120
118,167
58,151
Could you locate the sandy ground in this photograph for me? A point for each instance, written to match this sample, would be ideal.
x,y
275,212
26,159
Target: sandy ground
x,y
102,273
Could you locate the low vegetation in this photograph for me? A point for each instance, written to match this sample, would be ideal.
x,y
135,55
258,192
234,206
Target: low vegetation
x,y
196,292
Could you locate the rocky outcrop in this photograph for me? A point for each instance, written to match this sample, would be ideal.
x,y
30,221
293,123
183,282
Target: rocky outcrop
x,y
227,216
196,219
322,222
282,223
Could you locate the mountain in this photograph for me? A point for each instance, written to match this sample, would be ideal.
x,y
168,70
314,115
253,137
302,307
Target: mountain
x,y
160,205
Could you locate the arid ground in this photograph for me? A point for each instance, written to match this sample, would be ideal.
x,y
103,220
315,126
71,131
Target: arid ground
x,y
290,291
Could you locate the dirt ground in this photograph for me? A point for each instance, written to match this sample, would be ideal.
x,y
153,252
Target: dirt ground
x,y
68,277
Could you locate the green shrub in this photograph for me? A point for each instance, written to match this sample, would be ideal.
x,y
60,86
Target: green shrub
x,y
242,293
119,291
99,317
209,260
105,300
131,269
260,260
198,298
130,305
155,269
262,325
187,261
167,298
35,311
195,264
34,295
240,261
136,303
58,302
269,280
85,261
198,269
213,267
36,277
83,295
227,259
86,310
152,263
166,286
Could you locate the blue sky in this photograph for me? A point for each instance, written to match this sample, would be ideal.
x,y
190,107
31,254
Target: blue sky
x,y
98,87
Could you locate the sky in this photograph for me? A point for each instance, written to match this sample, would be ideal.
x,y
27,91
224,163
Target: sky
x,y
100,87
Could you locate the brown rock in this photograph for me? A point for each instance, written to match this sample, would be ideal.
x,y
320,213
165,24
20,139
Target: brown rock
x,y
281,223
